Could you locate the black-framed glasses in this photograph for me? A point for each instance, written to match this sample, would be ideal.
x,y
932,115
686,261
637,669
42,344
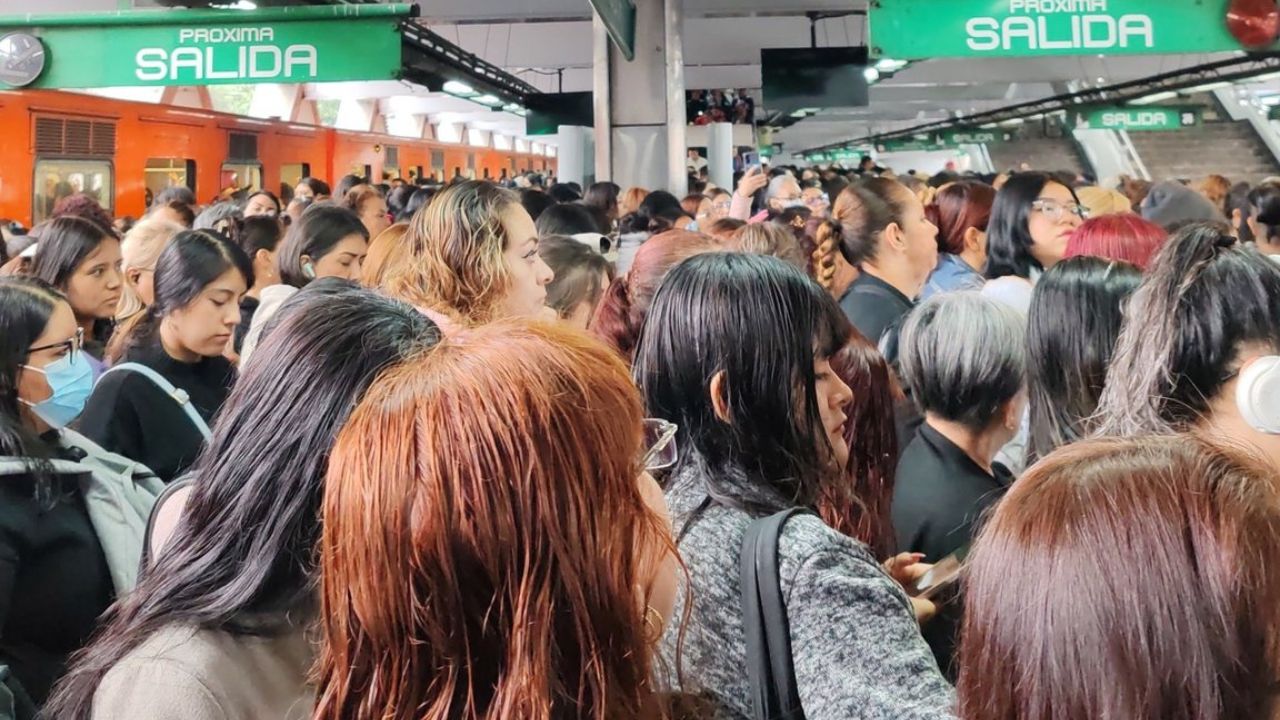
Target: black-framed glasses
x,y
72,345
1054,210
659,443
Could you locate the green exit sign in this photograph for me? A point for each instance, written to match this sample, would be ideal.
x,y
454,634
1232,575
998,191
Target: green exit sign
x,y
1140,119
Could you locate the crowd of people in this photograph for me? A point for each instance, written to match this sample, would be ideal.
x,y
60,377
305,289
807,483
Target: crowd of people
x,y
826,444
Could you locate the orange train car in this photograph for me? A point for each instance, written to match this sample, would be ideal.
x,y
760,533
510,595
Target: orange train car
x,y
56,143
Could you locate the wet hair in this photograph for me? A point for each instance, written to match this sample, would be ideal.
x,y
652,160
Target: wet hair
x,y
958,207
139,250
622,311
581,273
603,197
1204,297
454,253
319,188
964,357
1077,310
765,456
84,206
434,576
316,234
570,219
1060,624
1126,237
658,212
241,559
1009,238
26,305
535,202
862,212
563,193
188,263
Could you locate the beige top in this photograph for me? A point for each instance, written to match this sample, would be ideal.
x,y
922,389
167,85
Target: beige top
x,y
186,674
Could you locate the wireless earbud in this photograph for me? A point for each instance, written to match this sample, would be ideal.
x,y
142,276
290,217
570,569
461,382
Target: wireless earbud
x,y
309,270
1258,394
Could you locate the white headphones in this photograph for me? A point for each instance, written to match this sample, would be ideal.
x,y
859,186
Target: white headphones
x,y
1258,394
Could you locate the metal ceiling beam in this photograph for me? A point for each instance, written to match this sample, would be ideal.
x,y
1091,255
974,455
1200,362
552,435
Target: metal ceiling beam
x,y
430,60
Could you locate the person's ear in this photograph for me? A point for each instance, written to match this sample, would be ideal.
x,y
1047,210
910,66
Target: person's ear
x,y
893,235
720,396
133,275
975,240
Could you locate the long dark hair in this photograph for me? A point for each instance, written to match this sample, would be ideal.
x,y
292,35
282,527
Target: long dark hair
x,y
1076,314
657,213
26,304
244,551
186,266
766,456
1009,234
320,228
1203,298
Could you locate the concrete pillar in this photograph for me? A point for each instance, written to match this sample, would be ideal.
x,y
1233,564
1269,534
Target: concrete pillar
x,y
639,105
576,156
720,154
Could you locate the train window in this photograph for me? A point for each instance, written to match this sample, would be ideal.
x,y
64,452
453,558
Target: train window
x,y
56,179
390,172
240,176
290,174
164,173
437,164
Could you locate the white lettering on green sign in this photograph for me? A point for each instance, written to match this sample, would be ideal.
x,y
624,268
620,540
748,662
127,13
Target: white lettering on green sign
x,y
1118,120
243,61
1042,26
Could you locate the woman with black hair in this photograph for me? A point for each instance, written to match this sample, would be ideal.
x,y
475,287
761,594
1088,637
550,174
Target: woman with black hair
x,y
1200,345
259,237
311,190
62,562
420,197
83,261
1032,219
760,430
261,203
658,212
603,198
327,241
1262,218
216,628
176,344
1077,310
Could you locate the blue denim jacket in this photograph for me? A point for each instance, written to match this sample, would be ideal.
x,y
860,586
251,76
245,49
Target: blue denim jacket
x,y
951,274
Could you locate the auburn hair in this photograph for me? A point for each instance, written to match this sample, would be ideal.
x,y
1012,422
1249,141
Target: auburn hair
x,y
453,260
485,535
387,253
625,305
1125,237
630,200
957,207
1127,578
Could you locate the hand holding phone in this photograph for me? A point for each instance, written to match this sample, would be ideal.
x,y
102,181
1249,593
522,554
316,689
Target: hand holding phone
x,y
943,574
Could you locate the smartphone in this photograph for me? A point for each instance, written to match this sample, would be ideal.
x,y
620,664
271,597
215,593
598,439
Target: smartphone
x,y
944,574
750,159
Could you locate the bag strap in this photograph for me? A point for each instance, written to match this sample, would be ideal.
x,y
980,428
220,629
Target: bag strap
x,y
179,396
774,694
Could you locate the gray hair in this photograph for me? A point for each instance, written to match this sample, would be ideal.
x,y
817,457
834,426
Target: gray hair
x,y
775,185
216,213
964,356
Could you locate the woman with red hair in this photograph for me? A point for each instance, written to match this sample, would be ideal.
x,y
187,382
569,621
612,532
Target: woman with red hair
x,y
487,551
1130,579
1124,237
961,210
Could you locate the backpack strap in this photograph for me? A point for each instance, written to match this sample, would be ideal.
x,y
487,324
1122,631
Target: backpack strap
x,y
774,695
179,396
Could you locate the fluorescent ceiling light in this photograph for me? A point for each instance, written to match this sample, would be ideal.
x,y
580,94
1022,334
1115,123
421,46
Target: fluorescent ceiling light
x,y
237,5
988,126
1271,101
487,100
461,89
1265,77
1154,98
511,107
891,65
1015,121
871,74
1207,87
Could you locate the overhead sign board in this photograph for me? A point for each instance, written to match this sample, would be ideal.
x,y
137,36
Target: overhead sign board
x,y
1021,28
945,140
1143,119
619,18
212,47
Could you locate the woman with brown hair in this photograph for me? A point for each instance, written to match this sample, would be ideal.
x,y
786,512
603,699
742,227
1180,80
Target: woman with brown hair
x,y
625,305
961,210
386,254
472,258
1058,622
630,201
448,595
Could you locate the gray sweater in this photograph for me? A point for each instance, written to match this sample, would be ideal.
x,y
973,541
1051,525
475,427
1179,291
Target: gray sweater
x,y
856,646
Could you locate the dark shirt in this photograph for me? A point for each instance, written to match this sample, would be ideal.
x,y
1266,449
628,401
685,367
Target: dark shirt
x,y
128,414
939,498
54,582
877,309
248,306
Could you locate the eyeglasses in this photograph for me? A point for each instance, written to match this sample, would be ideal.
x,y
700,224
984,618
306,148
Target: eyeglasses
x,y
722,204
72,345
660,441
1053,210
818,200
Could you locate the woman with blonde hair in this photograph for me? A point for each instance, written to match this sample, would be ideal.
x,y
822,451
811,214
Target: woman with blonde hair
x,y
138,252
630,201
471,258
445,594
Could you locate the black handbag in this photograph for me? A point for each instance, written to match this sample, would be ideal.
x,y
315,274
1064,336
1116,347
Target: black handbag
x,y
774,695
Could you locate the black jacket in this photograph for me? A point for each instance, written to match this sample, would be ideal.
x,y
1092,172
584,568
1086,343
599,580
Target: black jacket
x,y
877,309
128,414
939,498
